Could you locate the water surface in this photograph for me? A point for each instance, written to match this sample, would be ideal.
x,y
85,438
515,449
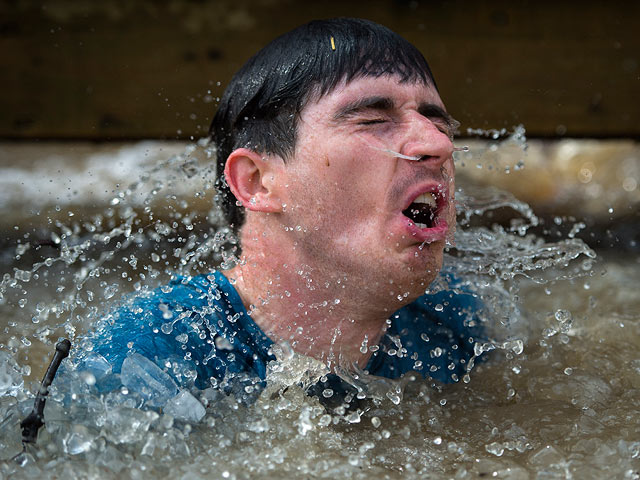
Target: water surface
x,y
558,397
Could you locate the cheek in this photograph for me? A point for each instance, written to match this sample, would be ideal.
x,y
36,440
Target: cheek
x,y
335,186
450,168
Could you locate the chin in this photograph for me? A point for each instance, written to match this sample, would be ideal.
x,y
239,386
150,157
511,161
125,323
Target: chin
x,y
419,267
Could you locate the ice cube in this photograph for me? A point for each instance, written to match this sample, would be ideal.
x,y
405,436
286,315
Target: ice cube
x,y
10,416
10,378
108,383
141,375
547,455
211,395
95,364
185,406
127,425
79,440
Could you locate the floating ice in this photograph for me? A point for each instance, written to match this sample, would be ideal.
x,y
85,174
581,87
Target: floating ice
x,y
495,448
185,406
95,364
547,455
127,425
144,377
78,440
291,368
10,378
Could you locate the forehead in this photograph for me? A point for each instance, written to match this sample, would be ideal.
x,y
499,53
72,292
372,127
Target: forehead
x,y
387,86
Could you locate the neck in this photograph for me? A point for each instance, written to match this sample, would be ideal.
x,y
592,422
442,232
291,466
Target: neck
x,y
320,311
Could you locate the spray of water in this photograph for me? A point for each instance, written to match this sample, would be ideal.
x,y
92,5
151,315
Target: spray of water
x,y
64,279
415,158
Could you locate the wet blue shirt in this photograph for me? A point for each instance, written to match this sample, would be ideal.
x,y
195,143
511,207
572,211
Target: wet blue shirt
x,y
197,330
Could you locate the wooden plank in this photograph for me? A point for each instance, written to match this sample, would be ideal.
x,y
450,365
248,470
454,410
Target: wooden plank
x,y
151,69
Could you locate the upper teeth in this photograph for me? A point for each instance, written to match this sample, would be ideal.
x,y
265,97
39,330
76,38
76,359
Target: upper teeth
x,y
427,198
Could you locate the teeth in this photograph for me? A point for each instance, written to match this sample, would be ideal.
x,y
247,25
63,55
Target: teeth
x,y
426,198
421,225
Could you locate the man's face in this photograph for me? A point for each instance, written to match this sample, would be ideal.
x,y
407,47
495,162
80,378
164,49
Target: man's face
x,y
354,204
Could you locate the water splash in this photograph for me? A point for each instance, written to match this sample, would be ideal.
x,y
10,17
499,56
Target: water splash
x,y
415,158
519,420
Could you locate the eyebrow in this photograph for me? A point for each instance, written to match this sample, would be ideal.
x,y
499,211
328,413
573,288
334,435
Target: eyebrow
x,y
433,111
428,110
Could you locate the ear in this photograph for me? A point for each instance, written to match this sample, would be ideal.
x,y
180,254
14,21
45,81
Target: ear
x,y
252,178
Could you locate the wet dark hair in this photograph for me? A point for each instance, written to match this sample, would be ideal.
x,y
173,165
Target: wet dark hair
x,y
260,108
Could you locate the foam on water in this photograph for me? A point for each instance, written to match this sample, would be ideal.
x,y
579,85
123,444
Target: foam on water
x,y
558,398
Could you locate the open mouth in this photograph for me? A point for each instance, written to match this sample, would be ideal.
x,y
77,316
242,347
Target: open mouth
x,y
423,210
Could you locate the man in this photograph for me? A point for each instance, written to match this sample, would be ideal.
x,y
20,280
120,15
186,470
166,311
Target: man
x,y
335,169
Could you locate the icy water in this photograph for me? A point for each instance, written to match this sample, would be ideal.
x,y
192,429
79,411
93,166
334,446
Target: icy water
x,y
559,396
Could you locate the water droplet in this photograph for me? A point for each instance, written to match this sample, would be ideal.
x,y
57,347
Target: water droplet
x,y
495,448
327,393
110,291
563,316
182,338
324,420
353,417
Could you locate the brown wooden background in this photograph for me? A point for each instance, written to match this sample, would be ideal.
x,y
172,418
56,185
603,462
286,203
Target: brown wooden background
x,y
117,69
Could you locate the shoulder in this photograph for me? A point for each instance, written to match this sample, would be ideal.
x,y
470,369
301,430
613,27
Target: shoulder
x,y
195,329
160,321
434,335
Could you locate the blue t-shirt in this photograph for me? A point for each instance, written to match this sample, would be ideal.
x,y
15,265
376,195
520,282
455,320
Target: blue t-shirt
x,y
198,331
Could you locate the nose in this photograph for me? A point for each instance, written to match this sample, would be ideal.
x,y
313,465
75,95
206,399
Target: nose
x,y
425,140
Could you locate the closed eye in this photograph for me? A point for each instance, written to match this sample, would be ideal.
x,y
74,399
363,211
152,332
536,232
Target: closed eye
x,y
443,126
372,121
440,118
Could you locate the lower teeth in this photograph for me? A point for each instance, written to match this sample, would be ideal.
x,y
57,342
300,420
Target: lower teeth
x,y
421,225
